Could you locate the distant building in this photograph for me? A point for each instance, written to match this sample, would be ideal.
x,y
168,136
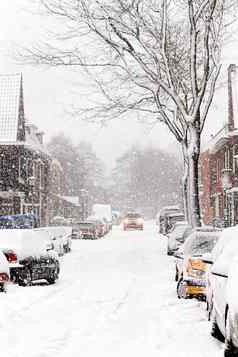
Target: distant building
x,y
219,165
24,162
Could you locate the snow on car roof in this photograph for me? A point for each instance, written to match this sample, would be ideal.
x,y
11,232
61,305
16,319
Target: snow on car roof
x,y
228,243
24,242
175,214
199,243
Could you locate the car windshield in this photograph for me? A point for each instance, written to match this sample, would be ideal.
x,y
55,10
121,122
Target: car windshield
x,y
133,215
199,243
178,232
85,225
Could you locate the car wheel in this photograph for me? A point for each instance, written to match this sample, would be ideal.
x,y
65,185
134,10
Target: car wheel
x,y
26,281
230,350
182,289
53,276
215,331
51,280
2,288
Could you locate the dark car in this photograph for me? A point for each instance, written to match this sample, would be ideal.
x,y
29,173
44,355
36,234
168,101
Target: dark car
x,y
32,269
133,221
88,230
30,256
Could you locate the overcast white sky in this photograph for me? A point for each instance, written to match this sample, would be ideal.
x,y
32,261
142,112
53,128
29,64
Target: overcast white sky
x,y
48,92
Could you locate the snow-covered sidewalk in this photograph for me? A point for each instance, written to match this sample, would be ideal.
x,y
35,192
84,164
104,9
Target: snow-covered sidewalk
x,y
115,297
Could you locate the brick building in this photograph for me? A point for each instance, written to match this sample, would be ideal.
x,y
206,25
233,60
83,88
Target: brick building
x,y
24,162
219,165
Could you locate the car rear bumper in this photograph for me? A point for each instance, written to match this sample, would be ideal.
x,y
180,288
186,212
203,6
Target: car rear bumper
x,y
88,236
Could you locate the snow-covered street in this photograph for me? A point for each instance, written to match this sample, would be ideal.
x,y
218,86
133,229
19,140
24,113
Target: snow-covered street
x,y
115,297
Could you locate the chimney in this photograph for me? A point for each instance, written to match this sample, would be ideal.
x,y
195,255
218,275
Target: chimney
x,y
231,73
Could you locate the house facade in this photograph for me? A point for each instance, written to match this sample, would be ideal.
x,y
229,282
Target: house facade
x,y
24,161
219,166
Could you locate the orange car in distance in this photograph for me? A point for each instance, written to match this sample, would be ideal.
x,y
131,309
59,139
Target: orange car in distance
x,y
133,221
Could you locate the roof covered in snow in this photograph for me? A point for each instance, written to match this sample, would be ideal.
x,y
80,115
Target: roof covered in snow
x,y
74,200
10,107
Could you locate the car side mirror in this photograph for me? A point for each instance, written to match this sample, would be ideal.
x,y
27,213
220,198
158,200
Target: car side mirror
x,y
207,258
179,255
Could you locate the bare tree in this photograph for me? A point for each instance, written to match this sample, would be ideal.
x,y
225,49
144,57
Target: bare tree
x,y
160,58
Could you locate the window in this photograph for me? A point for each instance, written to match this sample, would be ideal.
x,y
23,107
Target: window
x,y
227,159
218,169
235,158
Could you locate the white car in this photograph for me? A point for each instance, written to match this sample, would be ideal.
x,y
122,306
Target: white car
x,y
222,293
177,237
4,272
56,237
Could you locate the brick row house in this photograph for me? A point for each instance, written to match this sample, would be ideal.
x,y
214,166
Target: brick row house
x,y
30,179
219,166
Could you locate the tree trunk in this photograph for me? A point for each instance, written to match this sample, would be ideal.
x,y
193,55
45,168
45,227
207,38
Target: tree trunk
x,y
193,157
185,181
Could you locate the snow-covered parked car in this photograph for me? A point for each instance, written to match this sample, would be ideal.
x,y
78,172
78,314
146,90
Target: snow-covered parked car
x,y
191,270
177,237
67,238
56,234
4,272
222,293
29,255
